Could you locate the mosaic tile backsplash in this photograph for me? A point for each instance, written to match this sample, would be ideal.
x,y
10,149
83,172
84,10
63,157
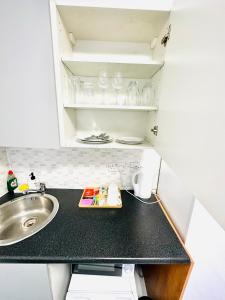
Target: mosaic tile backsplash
x,y
75,168
4,167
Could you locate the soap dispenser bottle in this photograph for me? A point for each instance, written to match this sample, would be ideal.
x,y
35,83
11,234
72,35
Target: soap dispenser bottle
x,y
32,181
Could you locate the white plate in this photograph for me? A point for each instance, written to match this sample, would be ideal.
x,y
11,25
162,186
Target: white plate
x,y
94,142
130,140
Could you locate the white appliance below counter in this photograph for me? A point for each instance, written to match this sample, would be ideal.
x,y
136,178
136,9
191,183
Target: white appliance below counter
x,y
100,296
101,287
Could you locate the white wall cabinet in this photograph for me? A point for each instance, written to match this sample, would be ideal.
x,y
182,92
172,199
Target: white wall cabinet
x,y
89,40
28,110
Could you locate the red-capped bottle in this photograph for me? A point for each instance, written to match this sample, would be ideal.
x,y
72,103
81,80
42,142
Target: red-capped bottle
x,y
12,182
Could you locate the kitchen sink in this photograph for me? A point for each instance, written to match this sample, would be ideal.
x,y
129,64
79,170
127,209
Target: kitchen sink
x,y
25,216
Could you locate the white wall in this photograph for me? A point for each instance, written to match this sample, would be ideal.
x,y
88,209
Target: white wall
x,y
204,238
192,101
206,243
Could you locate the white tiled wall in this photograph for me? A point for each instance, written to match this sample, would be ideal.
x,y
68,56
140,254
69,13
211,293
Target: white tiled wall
x,y
75,168
3,171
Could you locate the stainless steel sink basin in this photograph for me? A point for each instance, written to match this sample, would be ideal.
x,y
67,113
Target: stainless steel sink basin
x,y
25,216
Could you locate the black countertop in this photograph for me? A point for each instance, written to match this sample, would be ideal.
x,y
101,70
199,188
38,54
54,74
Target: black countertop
x,y
136,233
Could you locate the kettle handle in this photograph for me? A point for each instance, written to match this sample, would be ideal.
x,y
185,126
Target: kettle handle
x,y
135,185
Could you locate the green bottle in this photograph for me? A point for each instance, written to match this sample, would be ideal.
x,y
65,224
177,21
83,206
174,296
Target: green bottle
x,y
12,183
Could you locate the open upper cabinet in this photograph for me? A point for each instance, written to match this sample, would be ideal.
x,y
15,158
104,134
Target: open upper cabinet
x,y
106,59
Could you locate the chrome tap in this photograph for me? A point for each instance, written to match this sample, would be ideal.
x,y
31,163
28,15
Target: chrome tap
x,y
41,190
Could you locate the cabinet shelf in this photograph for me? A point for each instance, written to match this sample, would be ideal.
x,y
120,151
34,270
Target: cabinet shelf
x,y
111,107
129,66
150,5
122,23
113,145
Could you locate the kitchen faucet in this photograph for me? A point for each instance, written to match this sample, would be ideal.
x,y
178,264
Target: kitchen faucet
x,y
41,190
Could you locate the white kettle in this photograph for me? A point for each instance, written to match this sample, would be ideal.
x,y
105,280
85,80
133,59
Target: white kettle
x,y
142,183
143,179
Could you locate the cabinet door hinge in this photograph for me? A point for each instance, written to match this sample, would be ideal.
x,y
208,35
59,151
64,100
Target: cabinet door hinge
x,y
155,130
166,37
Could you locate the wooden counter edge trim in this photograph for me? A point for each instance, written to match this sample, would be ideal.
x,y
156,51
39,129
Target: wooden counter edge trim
x,y
180,273
180,239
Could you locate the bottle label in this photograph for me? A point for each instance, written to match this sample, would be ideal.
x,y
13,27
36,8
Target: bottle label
x,y
14,183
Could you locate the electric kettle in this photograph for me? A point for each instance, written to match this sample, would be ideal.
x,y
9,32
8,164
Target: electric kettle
x,y
143,179
142,182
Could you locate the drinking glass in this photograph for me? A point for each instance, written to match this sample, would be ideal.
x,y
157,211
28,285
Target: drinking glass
x,y
117,81
133,94
88,92
76,88
118,89
103,88
146,95
69,95
103,80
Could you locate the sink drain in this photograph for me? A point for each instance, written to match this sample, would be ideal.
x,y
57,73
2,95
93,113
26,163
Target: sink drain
x,y
30,222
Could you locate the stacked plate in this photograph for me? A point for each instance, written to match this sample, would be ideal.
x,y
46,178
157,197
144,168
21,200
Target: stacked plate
x,y
102,138
130,140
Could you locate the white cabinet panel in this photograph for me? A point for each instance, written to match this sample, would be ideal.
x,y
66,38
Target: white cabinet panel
x,y
191,115
4,167
24,282
177,200
28,111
